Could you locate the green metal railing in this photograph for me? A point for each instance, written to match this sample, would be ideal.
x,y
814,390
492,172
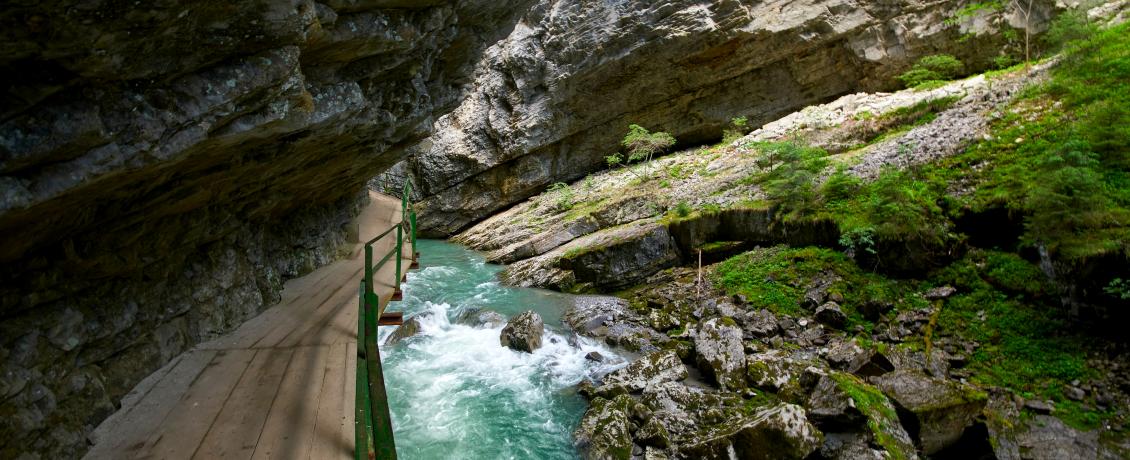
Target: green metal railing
x,y
373,424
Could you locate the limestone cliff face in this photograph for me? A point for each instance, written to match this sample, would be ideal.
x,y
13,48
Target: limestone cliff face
x,y
556,96
164,166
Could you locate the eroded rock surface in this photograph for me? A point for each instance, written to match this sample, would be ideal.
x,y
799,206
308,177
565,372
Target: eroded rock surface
x,y
548,107
164,167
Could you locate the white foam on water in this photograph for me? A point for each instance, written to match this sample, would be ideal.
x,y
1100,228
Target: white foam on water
x,y
456,392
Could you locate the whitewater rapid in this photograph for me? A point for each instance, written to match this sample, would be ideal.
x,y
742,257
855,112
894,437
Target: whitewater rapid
x,y
455,392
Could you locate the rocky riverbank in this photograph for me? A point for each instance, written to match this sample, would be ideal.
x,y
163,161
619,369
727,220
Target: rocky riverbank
x,y
720,378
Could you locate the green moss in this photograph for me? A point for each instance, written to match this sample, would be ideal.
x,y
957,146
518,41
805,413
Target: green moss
x,y
880,413
1026,346
775,278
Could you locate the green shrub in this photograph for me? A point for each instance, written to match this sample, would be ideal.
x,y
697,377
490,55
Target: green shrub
x,y
683,209
1069,27
938,67
642,144
562,196
1118,288
792,168
739,126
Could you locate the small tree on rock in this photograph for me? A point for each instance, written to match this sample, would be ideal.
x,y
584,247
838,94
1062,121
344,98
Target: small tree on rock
x,y
642,145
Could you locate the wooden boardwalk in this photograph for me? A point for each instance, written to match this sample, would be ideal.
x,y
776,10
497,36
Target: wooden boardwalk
x,y
280,386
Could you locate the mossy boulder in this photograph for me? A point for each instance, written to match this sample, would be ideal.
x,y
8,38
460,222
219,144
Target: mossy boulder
x,y
790,375
935,411
720,354
780,431
841,402
653,369
605,430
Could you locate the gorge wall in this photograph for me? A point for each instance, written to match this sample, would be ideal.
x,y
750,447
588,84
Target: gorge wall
x,y
165,166
555,97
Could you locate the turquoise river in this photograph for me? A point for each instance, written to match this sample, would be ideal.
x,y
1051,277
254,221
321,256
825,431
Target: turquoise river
x,y
455,392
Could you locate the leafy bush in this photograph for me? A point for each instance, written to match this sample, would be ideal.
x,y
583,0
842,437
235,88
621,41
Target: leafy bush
x,y
642,144
858,238
938,67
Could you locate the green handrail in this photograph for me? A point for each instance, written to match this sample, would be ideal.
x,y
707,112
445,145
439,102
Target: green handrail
x,y
373,424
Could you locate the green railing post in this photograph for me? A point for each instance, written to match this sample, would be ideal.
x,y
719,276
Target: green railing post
x,y
412,221
399,252
383,445
373,430
362,423
368,281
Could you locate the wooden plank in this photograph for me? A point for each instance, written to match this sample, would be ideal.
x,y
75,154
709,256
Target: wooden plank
x,y
236,429
332,408
128,429
313,328
289,431
349,387
180,433
344,325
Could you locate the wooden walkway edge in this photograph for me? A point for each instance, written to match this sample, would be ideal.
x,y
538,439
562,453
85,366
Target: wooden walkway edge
x,y
279,386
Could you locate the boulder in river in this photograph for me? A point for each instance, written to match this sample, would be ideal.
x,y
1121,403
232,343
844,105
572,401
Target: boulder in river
x,y
481,317
523,332
410,328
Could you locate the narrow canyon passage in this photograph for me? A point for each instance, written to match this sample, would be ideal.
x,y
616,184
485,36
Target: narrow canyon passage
x,y
282,384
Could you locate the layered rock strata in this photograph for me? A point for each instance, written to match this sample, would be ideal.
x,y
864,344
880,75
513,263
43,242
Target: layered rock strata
x,y
165,166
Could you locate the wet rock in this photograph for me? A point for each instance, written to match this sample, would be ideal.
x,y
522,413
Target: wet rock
x,y
940,410
720,354
481,317
410,328
591,315
595,356
523,332
605,429
831,315
658,367
776,432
